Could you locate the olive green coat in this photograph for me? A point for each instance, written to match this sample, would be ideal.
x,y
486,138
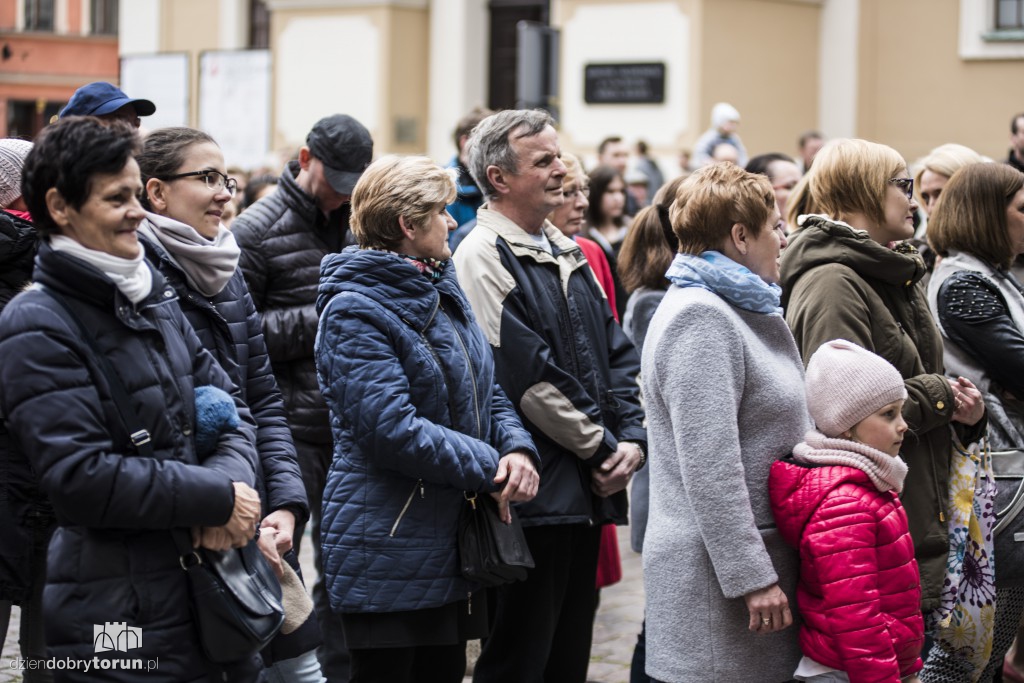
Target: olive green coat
x,y
838,283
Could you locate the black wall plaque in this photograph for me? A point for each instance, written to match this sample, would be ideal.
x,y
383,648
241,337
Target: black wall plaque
x,y
624,83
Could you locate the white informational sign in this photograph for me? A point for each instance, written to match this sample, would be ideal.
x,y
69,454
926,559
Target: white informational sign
x,y
162,79
234,104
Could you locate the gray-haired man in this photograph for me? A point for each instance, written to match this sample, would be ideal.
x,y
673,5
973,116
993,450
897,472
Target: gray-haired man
x,y
568,368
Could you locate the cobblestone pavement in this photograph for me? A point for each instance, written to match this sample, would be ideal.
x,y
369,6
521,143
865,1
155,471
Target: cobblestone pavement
x,y
618,621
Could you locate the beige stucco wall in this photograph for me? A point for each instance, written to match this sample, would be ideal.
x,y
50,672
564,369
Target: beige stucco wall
x,y
190,26
761,56
915,90
369,62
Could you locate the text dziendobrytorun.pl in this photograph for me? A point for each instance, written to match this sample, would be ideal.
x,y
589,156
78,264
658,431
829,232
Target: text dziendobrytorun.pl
x,y
86,665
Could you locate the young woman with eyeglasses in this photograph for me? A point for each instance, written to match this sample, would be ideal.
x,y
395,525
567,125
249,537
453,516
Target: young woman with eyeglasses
x,y
186,192
849,274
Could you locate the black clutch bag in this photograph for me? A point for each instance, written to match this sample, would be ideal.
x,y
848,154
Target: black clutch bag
x,y
491,553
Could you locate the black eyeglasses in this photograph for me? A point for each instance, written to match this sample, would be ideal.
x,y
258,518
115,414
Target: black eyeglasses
x,y
906,185
215,180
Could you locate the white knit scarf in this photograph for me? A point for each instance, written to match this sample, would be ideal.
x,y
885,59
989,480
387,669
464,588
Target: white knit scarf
x,y
208,264
885,471
132,276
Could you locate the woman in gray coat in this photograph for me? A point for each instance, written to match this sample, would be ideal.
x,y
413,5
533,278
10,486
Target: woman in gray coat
x,y
723,387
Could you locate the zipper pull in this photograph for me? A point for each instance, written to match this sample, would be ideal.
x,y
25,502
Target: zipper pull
x,y
469,603
422,491
942,516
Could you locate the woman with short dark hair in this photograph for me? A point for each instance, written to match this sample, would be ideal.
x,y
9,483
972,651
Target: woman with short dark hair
x,y
113,558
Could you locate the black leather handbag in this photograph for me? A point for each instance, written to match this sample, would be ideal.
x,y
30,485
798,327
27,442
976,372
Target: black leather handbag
x,y
236,599
1008,467
491,552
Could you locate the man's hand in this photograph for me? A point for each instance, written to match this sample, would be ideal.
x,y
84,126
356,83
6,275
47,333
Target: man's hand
x,y
615,472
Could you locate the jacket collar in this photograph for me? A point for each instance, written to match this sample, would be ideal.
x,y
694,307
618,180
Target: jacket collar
x,y
522,243
391,282
822,240
79,280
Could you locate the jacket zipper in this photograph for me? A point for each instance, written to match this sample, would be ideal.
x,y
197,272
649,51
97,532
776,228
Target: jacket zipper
x,y
472,375
405,508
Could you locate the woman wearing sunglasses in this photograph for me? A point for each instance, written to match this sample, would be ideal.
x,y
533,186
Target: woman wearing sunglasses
x,y
186,193
849,274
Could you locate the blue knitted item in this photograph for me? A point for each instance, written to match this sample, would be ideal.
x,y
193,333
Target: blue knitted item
x,y
215,414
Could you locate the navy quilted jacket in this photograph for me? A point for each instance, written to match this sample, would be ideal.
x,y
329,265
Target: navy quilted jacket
x,y
417,419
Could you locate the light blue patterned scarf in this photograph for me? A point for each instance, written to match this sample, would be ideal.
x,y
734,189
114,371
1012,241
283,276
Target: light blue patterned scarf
x,y
720,275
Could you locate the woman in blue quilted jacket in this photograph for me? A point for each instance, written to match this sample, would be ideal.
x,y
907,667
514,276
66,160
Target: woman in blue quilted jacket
x,y
419,425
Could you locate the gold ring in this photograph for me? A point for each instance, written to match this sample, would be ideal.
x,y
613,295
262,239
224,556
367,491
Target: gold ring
x,y
766,620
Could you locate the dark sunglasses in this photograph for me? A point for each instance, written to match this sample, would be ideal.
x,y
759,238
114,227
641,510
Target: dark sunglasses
x,y
905,184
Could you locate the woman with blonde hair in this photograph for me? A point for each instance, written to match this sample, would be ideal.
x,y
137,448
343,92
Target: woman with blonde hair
x,y
419,424
936,168
723,387
849,274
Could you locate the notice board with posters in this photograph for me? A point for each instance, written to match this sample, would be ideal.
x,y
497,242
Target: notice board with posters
x,y
641,83
234,104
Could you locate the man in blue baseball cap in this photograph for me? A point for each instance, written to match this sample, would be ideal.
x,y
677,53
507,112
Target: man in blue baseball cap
x,y
107,101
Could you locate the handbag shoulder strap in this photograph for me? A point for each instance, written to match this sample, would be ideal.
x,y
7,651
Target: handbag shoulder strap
x,y
129,417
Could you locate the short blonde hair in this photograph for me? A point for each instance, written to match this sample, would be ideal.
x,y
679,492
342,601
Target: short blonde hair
x,y
410,187
573,170
852,176
945,160
714,198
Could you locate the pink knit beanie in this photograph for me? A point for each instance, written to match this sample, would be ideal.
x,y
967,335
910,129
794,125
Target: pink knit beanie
x,y
846,383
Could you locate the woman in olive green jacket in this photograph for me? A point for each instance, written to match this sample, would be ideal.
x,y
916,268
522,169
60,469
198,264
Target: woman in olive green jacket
x,y
842,278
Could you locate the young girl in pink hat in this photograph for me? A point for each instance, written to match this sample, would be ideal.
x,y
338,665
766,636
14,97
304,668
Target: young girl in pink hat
x,y
836,499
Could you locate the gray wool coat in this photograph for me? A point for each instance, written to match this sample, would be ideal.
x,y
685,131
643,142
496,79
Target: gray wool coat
x,y
724,394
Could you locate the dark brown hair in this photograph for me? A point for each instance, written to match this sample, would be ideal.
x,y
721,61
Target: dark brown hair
x,y
650,243
971,213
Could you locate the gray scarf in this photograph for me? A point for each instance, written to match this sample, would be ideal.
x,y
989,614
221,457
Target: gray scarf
x,y
207,264
885,471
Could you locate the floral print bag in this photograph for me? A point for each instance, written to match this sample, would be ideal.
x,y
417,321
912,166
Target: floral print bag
x,y
964,622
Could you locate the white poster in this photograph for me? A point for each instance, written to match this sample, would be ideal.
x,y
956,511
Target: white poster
x,y
234,104
162,79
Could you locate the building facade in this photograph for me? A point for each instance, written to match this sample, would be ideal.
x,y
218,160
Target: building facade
x,y
48,48
912,73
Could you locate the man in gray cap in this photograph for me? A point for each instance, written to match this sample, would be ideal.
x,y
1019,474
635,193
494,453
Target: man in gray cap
x,y
283,237
107,102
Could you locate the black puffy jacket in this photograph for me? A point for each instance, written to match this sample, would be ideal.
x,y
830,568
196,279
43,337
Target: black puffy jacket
x,y
229,327
283,237
17,249
24,508
113,558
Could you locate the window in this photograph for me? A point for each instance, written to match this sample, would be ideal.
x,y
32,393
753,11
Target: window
x,y
1009,15
39,15
104,17
259,24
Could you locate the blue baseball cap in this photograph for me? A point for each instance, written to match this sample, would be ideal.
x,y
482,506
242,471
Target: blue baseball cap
x,y
100,98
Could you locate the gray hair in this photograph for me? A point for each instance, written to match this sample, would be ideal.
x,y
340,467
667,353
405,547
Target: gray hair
x,y
490,142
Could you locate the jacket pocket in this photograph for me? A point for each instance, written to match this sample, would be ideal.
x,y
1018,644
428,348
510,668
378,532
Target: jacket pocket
x,y
405,508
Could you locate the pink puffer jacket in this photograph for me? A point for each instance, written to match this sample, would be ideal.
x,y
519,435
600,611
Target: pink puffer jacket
x,y
859,592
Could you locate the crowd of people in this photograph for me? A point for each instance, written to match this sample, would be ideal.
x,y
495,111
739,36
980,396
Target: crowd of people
x,y
796,367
